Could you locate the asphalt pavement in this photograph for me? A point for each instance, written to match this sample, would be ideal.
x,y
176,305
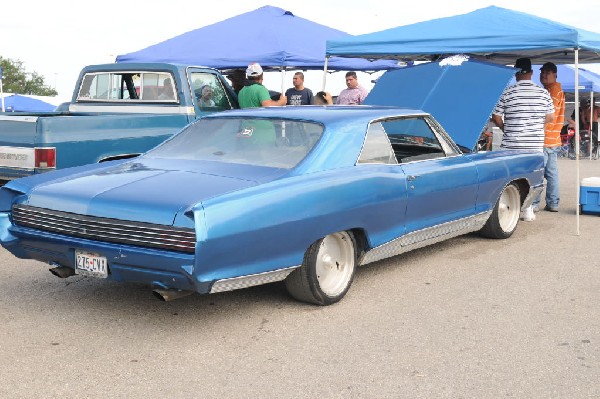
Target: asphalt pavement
x,y
467,318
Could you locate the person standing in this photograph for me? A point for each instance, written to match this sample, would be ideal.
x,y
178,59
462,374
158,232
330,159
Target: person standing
x,y
354,94
522,113
585,112
486,138
323,98
254,94
299,95
594,111
238,79
552,142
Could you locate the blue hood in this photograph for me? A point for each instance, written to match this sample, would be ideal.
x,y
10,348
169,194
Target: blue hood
x,y
460,94
146,190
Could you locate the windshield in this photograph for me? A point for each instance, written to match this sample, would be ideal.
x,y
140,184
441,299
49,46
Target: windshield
x,y
261,142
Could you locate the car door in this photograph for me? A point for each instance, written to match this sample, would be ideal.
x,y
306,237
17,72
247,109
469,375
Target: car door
x,y
441,184
222,98
385,212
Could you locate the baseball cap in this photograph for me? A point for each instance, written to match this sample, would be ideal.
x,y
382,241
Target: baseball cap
x,y
254,69
524,64
548,66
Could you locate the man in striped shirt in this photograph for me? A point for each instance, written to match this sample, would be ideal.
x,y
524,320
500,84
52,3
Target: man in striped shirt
x,y
526,108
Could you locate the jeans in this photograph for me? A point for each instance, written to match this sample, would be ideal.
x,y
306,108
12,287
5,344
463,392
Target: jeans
x,y
551,175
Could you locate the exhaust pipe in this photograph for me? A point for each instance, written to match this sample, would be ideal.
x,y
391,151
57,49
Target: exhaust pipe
x,y
169,295
62,272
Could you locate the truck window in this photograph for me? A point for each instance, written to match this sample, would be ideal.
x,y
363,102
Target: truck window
x,y
158,87
128,86
209,92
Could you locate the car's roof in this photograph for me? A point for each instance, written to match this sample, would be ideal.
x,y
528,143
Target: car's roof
x,y
323,114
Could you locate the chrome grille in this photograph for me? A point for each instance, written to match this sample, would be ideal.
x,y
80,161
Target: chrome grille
x,y
105,229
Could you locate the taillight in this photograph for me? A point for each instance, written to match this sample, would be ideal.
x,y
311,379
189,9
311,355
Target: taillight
x,y
45,157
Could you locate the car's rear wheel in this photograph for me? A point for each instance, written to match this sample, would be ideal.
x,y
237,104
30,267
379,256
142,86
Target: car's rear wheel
x,y
505,216
327,270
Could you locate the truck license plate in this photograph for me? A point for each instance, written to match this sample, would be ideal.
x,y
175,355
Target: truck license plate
x,y
90,264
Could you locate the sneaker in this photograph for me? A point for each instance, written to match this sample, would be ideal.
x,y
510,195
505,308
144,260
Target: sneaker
x,y
551,208
536,208
527,214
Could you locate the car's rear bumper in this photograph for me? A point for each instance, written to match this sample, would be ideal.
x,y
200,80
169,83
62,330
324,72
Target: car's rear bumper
x,y
155,267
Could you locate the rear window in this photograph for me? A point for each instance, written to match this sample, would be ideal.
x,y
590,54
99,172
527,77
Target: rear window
x,y
251,141
128,86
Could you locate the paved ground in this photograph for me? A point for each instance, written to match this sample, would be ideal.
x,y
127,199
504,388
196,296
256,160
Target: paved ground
x,y
468,318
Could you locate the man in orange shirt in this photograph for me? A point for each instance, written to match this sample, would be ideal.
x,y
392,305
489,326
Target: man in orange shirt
x,y
552,143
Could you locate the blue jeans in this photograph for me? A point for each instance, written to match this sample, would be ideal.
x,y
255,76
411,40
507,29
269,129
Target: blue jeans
x,y
551,175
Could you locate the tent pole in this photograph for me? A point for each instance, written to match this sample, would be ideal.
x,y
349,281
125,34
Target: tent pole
x,y
591,122
282,80
577,138
1,92
324,74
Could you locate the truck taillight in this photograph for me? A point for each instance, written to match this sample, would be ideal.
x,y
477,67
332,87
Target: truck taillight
x,y
45,157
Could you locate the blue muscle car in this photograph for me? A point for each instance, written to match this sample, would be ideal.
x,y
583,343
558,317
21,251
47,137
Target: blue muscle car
x,y
247,197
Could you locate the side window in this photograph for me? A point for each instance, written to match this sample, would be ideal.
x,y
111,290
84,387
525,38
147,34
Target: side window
x,y
86,87
209,93
96,86
377,148
413,139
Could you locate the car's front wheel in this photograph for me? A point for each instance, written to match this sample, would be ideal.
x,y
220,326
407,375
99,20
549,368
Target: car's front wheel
x,y
505,216
327,270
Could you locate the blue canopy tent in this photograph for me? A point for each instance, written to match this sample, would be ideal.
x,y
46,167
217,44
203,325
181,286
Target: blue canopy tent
x,y
492,33
271,36
588,81
22,103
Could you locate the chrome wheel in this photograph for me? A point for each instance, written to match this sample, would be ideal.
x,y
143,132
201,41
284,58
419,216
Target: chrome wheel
x,y
505,216
509,208
335,263
327,270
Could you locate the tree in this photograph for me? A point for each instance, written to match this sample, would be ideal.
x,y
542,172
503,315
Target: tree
x,y
15,79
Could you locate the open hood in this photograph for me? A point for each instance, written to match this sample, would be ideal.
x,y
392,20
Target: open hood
x,y
458,92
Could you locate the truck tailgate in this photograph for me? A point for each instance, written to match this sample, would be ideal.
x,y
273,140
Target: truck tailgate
x,y
16,141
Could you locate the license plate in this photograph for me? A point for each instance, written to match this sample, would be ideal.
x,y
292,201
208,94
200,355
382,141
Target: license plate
x,y
91,264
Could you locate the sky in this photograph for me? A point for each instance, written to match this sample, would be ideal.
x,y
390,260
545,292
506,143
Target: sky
x,y
58,38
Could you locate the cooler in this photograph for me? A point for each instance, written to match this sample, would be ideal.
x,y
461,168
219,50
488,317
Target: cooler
x,y
589,195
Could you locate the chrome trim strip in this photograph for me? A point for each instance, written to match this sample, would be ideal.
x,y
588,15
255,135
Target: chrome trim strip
x,y
133,109
105,229
235,283
17,157
428,236
18,118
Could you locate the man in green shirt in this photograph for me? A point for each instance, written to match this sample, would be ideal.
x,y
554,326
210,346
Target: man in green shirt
x,y
254,95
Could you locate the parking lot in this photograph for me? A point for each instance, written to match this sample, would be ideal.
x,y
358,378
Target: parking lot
x,y
466,318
